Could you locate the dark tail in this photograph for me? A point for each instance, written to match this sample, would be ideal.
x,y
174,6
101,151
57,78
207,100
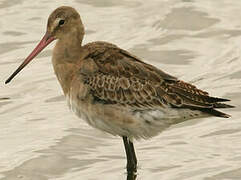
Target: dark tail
x,y
214,112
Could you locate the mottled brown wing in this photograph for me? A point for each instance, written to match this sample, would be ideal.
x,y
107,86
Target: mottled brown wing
x,y
124,79
128,91
192,96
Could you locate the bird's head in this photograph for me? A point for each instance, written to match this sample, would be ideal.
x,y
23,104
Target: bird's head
x,y
63,23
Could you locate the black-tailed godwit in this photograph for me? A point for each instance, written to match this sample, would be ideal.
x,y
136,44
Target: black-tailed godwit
x,y
115,91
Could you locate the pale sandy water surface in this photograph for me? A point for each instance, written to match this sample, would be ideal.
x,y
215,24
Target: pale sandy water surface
x,y
198,41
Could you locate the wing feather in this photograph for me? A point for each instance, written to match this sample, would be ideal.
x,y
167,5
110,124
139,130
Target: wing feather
x,y
124,79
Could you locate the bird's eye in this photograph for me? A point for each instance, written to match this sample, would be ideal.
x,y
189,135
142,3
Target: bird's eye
x,y
61,22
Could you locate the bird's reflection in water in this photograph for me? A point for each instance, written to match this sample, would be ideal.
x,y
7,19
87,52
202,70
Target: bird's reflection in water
x,y
131,176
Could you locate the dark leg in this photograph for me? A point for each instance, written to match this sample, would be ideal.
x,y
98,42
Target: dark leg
x,y
131,176
130,155
133,152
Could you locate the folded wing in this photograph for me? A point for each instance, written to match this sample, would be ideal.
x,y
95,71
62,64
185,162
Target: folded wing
x,y
124,79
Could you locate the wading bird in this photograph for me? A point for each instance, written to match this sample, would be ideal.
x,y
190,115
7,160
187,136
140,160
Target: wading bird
x,y
115,91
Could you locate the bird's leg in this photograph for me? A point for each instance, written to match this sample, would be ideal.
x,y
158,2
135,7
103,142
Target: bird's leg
x,y
133,152
131,158
131,176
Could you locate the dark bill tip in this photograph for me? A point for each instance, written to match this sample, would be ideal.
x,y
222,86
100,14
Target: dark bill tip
x,y
9,79
42,44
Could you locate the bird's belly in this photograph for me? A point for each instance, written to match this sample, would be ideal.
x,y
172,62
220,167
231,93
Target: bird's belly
x,y
95,117
126,122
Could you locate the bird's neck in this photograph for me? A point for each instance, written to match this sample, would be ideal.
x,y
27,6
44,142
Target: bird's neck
x,y
68,48
66,56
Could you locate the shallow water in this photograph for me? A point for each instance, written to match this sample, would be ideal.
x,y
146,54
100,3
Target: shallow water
x,y
197,41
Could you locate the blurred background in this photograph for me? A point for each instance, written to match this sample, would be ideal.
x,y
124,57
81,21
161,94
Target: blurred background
x,y
197,41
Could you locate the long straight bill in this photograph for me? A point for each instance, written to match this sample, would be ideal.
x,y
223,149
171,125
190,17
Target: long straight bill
x,y
46,40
